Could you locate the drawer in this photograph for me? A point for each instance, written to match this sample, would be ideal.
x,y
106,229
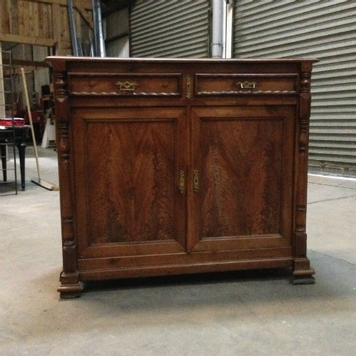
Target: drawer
x,y
125,84
232,84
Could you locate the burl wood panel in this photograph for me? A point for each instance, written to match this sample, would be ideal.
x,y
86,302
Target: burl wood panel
x,y
129,171
245,180
131,181
241,156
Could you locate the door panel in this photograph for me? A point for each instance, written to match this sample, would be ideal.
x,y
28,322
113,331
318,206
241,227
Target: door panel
x,y
243,157
128,178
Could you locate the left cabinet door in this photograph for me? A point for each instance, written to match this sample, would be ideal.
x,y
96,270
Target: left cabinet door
x,y
129,183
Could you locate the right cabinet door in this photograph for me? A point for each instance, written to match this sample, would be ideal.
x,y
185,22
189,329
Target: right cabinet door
x,y
242,174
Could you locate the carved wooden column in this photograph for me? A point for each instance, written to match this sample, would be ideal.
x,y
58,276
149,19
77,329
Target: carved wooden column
x,y
70,285
302,272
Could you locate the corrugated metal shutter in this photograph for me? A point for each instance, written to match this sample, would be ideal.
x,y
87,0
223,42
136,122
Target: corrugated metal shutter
x,y
322,29
178,28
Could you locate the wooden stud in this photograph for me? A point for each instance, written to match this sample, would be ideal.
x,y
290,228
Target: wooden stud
x,y
2,94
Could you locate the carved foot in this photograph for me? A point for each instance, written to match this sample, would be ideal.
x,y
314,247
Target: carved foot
x,y
302,272
69,291
70,286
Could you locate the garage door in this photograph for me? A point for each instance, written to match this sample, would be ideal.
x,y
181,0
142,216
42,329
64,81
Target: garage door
x,y
169,28
322,29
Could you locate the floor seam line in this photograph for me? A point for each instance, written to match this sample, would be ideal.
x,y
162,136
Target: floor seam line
x,y
332,199
334,258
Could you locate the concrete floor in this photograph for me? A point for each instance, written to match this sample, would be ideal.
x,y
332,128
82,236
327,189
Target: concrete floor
x,y
225,314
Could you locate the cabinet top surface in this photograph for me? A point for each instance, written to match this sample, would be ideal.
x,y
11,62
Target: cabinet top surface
x,y
68,59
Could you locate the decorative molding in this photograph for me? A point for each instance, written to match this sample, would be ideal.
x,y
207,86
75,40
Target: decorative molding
x,y
59,84
244,92
305,80
127,92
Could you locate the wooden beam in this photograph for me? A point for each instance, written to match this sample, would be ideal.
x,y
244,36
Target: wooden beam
x,y
4,17
26,63
48,42
56,26
14,15
81,9
2,94
27,69
86,4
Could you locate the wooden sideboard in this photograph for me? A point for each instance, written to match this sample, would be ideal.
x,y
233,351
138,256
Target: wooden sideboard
x,y
174,166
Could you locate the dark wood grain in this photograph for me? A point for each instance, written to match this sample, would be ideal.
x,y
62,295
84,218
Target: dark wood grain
x,y
132,181
241,176
245,160
128,175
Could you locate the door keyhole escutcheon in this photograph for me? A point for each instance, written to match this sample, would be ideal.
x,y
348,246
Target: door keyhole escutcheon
x,y
196,181
182,182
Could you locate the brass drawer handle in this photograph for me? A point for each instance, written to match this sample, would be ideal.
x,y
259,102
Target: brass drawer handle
x,y
182,182
196,181
127,86
247,85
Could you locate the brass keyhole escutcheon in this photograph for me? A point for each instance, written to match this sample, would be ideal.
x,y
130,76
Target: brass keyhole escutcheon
x,y
196,181
189,87
182,182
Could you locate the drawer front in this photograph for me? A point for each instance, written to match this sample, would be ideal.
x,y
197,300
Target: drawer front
x,y
233,84
125,84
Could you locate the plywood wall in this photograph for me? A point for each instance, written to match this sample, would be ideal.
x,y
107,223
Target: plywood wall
x,y
44,22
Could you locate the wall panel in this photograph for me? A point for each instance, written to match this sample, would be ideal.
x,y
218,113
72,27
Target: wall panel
x,y
42,22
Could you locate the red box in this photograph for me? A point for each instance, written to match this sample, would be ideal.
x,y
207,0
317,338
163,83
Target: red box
x,y
8,121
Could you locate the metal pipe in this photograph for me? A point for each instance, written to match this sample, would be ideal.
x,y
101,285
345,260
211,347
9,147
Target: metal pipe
x,y
101,34
95,27
99,43
217,28
72,28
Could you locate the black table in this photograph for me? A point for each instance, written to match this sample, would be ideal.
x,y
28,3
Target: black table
x,y
7,136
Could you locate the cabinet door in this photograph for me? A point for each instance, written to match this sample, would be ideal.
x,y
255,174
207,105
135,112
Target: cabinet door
x,y
127,177
242,178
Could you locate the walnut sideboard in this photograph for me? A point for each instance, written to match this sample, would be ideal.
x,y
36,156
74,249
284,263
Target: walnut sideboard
x,y
176,166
